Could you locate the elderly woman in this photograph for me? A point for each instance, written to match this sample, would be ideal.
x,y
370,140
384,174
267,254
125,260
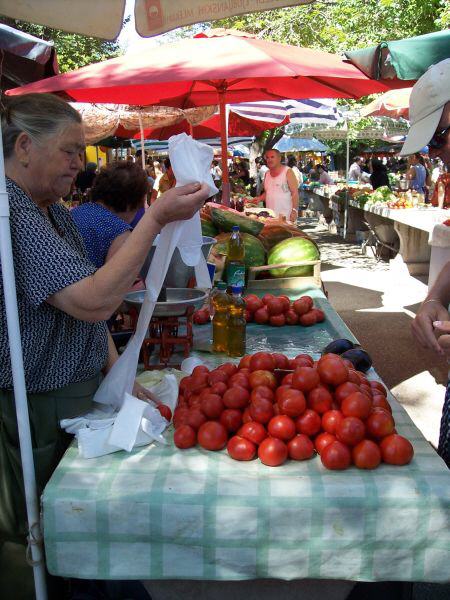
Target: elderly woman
x,y
63,300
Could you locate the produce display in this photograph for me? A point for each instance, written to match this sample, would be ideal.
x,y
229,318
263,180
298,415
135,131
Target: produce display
x,y
383,196
276,408
291,251
279,310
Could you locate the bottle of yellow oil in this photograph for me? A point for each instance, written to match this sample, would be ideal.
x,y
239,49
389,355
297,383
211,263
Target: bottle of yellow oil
x,y
221,302
235,264
236,323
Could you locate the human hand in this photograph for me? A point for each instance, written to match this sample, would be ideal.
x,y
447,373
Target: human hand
x,y
179,203
423,327
444,340
293,215
139,391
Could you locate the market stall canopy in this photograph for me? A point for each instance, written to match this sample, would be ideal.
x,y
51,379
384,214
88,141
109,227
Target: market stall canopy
x,y
104,18
292,144
25,58
394,104
205,70
163,145
404,60
307,110
105,120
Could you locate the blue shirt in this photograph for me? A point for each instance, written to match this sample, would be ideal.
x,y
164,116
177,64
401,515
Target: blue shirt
x,y
99,227
418,183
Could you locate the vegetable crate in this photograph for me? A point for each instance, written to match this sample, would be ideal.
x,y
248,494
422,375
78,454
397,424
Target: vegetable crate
x,y
286,283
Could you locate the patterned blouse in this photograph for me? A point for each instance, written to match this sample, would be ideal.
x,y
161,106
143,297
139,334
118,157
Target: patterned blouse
x,y
57,348
99,227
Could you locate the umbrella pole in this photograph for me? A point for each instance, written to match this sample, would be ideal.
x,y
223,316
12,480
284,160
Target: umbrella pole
x,y
224,147
347,159
20,394
141,128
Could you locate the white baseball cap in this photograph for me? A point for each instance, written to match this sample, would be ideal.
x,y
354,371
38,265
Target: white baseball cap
x,y
427,101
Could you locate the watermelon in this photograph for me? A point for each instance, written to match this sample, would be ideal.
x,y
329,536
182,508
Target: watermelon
x,y
255,254
208,229
272,234
224,220
293,250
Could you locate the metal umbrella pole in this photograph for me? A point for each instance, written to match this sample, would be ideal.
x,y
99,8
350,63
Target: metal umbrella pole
x,y
35,540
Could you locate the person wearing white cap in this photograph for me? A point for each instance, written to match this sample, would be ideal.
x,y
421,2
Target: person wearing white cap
x,y
429,112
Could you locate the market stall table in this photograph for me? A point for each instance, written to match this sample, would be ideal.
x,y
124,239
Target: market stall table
x,y
161,513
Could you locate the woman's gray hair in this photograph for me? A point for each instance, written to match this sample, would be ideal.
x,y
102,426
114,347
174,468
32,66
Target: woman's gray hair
x,y
40,116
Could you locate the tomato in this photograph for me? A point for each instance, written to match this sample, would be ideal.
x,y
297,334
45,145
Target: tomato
x,y
253,431
261,410
240,379
291,317
262,361
248,316
305,379
244,371
263,391
320,315
350,431
275,306
196,385
246,417
381,402
228,368
231,419
200,378
305,357
396,450
280,390
244,363
281,427
253,303
286,302
380,424
217,376
308,319
261,316
196,418
330,420
236,397
336,456
378,388
201,317
291,403
185,437
302,305
219,388
212,436
180,416
366,455
272,452
277,320
353,376
281,361
332,371
212,406
287,379
267,297
240,448
322,441
308,423
165,411
300,447
344,390
357,405
366,389
320,399
194,400
259,378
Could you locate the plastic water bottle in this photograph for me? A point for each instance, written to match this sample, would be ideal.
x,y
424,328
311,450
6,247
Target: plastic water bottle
x,y
235,265
236,323
221,302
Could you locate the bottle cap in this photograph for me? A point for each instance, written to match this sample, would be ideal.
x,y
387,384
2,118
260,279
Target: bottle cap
x,y
235,228
221,285
236,289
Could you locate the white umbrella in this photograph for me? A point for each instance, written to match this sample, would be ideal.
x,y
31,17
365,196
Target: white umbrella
x,y
104,18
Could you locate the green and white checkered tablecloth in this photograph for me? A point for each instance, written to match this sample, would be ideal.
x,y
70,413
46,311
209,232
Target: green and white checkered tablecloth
x,y
161,513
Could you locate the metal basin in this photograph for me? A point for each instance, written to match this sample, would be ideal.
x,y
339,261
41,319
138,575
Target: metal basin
x,y
178,300
178,274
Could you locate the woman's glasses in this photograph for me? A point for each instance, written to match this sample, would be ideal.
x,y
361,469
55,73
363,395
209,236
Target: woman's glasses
x,y
438,139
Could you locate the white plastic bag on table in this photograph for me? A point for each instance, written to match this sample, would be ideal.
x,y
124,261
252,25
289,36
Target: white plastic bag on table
x,y
191,162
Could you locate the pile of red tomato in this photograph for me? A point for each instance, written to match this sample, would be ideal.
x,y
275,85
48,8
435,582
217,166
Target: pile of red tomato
x,y
279,310
257,409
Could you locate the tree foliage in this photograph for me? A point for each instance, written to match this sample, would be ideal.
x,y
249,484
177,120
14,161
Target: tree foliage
x,y
73,50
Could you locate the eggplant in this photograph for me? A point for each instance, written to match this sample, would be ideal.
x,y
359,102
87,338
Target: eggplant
x,y
359,358
338,346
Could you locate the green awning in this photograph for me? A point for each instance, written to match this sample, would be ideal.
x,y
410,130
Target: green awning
x,y
403,59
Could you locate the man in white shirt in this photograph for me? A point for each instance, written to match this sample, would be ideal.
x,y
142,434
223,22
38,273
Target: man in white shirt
x,y
280,187
355,170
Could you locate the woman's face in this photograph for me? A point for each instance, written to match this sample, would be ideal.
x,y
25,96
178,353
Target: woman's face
x,y
54,165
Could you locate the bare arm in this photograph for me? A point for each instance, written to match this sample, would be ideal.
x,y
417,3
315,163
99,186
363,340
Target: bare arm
x,y
293,188
95,298
410,173
117,244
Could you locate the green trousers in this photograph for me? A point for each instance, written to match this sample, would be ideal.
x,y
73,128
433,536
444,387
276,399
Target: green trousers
x,y
49,444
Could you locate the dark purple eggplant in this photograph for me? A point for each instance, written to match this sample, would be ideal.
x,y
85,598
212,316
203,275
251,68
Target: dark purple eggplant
x,y
338,346
359,358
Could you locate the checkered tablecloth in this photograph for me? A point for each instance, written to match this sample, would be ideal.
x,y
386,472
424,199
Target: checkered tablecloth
x,y
161,513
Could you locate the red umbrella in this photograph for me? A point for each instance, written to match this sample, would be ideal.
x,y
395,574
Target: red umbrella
x,y
217,68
